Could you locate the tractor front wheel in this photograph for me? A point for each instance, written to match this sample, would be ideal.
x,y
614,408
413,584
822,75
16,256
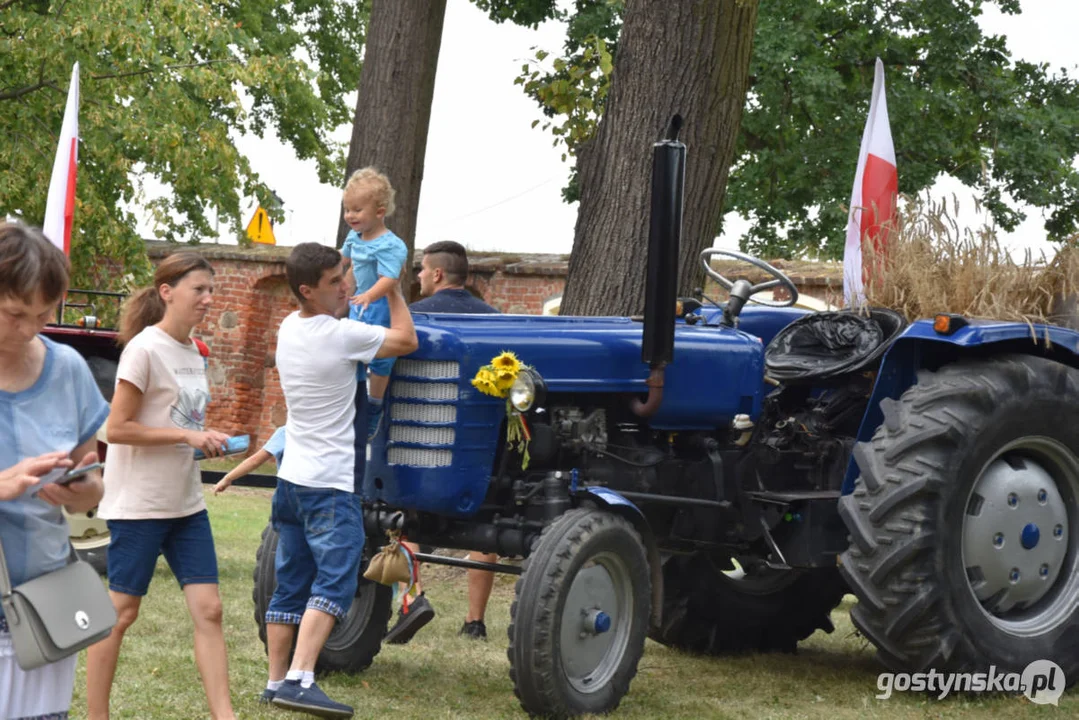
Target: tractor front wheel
x,y
579,621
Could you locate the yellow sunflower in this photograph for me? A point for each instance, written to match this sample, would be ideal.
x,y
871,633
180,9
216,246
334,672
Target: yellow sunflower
x,y
505,380
484,382
507,362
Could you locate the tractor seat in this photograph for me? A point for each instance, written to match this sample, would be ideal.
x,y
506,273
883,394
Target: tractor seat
x,y
827,345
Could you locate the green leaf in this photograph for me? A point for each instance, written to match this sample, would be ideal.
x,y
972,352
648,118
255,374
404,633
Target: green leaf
x,y
161,88
958,103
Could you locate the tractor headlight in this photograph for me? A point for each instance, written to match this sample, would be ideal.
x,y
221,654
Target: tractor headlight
x,y
527,390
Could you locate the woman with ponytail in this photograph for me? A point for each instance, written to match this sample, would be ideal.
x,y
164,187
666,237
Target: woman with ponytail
x,y
153,490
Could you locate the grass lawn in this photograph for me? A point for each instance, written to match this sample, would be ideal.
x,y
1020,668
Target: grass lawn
x,y
439,675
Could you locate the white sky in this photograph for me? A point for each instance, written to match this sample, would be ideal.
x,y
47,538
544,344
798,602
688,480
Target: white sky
x,y
492,182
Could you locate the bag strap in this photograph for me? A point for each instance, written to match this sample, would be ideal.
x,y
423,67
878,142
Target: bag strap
x,y
5,579
413,570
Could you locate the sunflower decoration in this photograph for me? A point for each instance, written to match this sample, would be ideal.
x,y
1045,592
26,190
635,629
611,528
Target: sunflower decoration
x,y
495,379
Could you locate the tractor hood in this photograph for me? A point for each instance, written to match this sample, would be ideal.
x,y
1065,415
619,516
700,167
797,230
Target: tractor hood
x,y
715,374
437,451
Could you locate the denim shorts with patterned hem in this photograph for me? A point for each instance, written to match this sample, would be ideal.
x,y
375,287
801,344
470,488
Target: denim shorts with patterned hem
x,y
319,550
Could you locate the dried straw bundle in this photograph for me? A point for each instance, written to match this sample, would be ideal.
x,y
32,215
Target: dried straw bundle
x,y
933,266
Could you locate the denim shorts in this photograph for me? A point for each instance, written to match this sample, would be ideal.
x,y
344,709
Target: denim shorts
x,y
382,366
377,313
134,546
379,366
319,550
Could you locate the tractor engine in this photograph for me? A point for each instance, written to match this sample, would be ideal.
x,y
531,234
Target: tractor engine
x,y
805,439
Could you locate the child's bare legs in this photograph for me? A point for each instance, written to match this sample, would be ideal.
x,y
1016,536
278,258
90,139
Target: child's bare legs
x,y
378,384
376,390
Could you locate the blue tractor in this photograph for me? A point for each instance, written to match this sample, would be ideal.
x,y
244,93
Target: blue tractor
x,y
717,478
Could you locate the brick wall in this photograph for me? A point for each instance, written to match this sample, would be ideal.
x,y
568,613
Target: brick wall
x,y
517,284
252,298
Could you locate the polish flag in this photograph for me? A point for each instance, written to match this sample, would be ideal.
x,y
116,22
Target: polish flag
x,y
873,197
60,207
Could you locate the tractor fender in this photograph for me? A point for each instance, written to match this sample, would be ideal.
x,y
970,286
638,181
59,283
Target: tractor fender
x,y
920,347
612,502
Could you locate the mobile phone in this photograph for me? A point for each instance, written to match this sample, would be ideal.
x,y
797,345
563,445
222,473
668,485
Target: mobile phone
x,y
235,445
78,473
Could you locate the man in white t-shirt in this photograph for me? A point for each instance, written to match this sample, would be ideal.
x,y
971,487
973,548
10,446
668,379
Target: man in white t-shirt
x,y
316,512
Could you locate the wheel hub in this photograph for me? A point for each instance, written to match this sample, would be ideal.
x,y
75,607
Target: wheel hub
x,y
1030,536
1015,536
596,623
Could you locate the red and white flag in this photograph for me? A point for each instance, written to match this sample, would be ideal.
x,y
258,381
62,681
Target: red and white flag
x,y
873,198
60,207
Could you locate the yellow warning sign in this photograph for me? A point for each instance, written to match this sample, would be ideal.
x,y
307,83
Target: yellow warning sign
x,y
260,229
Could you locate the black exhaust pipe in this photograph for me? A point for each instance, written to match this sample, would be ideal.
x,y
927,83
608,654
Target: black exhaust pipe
x,y
661,282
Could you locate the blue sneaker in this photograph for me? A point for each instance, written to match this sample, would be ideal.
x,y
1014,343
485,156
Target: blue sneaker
x,y
374,419
310,700
267,696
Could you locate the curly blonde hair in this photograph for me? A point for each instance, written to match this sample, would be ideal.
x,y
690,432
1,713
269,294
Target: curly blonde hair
x,y
369,178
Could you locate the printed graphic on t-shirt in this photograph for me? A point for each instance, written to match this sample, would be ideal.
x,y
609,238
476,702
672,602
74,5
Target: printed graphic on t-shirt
x,y
189,412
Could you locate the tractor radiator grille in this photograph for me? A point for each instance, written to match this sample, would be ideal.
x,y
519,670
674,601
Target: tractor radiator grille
x,y
428,414
422,412
418,457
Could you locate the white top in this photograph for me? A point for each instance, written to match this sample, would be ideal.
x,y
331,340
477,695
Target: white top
x,y
161,481
316,362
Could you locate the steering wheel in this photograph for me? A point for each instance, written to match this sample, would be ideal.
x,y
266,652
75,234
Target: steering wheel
x,y
744,289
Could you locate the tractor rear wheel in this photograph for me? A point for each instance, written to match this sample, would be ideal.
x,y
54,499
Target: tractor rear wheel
x,y
708,609
965,550
356,639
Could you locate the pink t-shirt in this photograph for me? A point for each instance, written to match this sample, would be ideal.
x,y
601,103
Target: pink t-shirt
x,y
163,481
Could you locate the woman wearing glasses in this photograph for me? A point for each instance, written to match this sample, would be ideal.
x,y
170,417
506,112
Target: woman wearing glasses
x,y
153,492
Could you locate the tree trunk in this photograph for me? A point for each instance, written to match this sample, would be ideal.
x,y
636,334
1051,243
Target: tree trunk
x,y
393,109
674,56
